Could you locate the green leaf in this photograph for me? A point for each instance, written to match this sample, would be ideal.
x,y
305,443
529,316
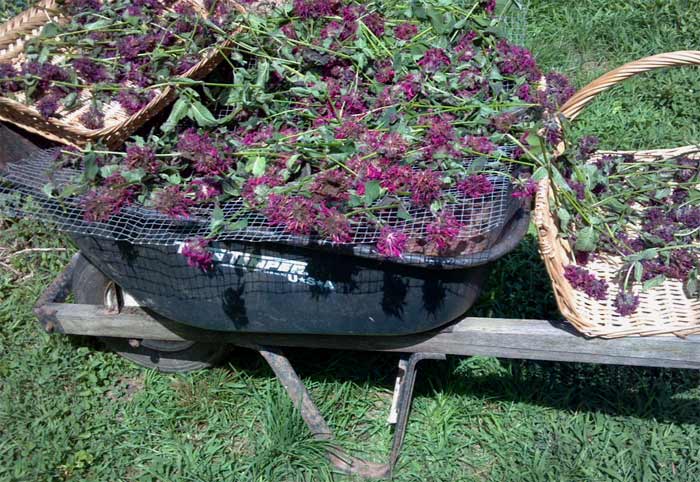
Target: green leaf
x,y
134,175
217,219
653,283
638,271
50,30
692,286
540,174
178,112
259,166
240,224
263,73
201,115
372,191
48,189
564,218
91,168
586,239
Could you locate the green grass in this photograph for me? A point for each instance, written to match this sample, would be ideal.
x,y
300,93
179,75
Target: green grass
x,y
71,411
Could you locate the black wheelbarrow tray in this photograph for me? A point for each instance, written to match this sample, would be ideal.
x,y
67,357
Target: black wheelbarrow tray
x,y
145,303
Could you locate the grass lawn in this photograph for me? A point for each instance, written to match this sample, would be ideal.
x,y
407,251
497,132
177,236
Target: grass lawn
x,y
71,411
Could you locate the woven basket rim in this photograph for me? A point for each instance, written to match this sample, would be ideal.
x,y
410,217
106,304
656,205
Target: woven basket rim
x,y
26,116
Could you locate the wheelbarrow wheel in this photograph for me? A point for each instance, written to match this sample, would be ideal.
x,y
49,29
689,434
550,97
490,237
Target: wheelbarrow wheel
x,y
90,287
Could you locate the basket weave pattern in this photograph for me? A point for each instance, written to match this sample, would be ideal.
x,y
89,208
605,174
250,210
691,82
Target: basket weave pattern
x,y
662,310
118,125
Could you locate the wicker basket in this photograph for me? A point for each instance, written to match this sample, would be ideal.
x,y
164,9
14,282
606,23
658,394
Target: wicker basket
x,y
662,310
118,125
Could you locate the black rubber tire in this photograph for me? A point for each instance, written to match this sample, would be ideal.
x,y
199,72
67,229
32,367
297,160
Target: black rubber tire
x,y
89,285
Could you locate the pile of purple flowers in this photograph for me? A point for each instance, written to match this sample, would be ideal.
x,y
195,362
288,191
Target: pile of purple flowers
x,y
344,117
646,212
112,53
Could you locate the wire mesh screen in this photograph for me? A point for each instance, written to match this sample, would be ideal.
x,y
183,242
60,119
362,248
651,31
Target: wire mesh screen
x,y
514,20
482,219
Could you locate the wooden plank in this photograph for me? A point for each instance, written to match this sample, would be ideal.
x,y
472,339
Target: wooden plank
x,y
505,338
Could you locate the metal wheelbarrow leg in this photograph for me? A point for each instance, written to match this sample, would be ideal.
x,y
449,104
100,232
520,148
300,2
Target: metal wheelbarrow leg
x,y
403,395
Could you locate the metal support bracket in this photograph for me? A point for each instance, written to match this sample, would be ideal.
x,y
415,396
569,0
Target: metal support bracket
x,y
403,395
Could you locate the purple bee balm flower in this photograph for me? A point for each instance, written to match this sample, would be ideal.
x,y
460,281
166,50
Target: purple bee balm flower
x,y
93,118
384,72
690,217
681,263
349,129
465,46
131,46
679,196
585,281
558,90
135,73
49,104
90,71
489,6
134,11
296,213
173,201
316,8
391,243
102,203
253,185
332,30
258,136
689,169
331,224
289,31
475,186
200,148
405,31
626,304
375,23
197,255
553,133
8,74
504,122
434,59
410,86
479,144
396,178
583,257
205,189
185,64
132,101
471,82
426,187
391,145
331,185
443,231
46,73
138,157
516,60
81,9
525,190
578,188
587,146
440,134
524,93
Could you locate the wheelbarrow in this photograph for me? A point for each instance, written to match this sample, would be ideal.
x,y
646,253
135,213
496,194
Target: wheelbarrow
x,y
148,306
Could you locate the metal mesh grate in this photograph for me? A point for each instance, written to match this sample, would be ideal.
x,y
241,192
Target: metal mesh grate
x,y
514,21
482,219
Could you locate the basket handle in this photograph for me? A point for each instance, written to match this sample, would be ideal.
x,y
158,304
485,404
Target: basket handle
x,y
573,107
